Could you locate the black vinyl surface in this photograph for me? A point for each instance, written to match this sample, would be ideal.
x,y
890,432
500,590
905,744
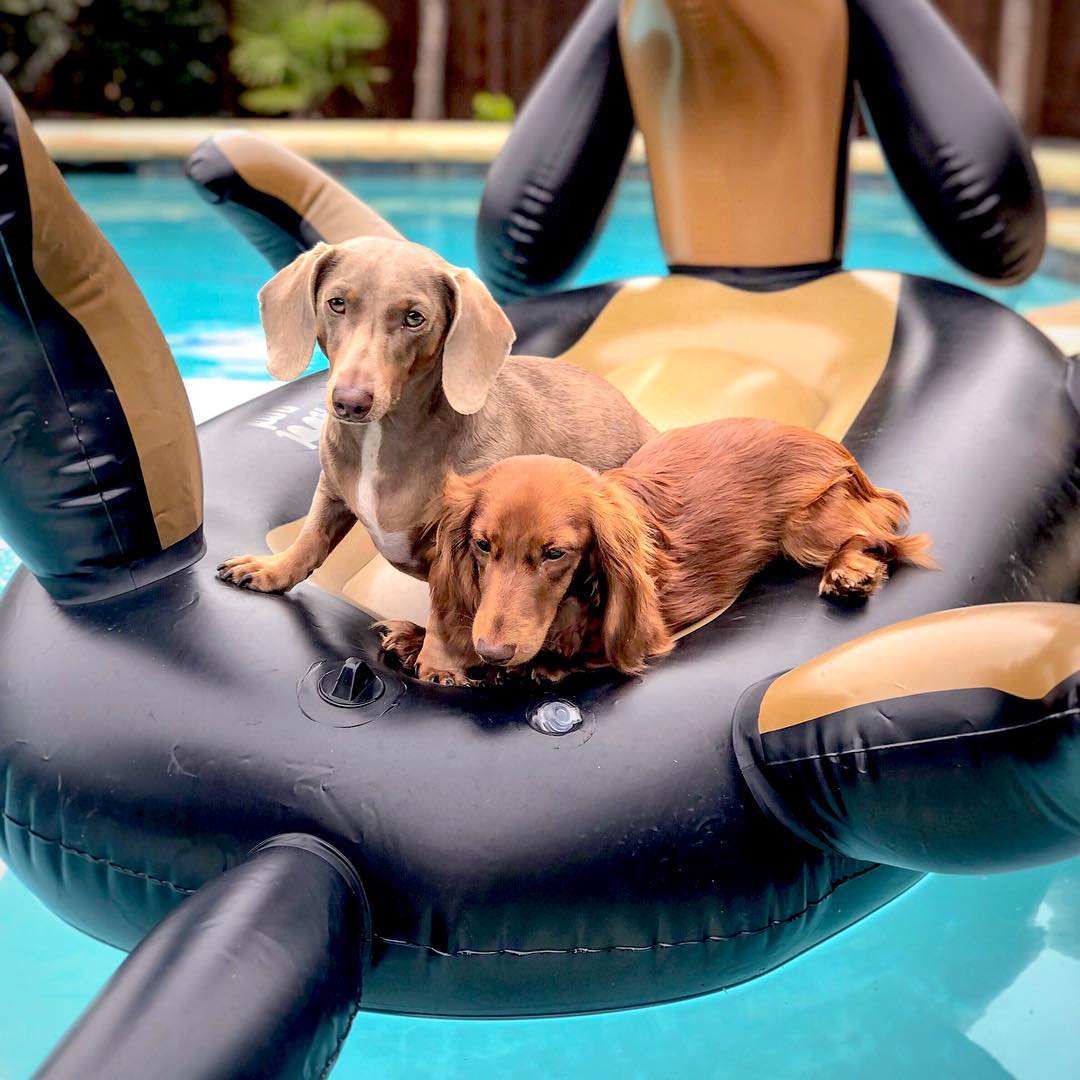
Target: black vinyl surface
x,y
511,872
952,145
549,190
255,977
880,782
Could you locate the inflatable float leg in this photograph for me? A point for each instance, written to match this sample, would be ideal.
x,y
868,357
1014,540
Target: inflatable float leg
x,y
279,202
257,974
549,191
948,743
100,477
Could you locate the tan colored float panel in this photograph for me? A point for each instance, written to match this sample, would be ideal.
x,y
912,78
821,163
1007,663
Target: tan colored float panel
x,y
741,103
676,387
1023,649
684,351
1063,228
83,274
334,212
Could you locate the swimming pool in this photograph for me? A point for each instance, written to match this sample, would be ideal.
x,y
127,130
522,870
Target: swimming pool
x,y
965,976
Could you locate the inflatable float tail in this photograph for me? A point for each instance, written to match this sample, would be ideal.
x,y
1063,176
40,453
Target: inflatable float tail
x,y
257,974
100,477
948,743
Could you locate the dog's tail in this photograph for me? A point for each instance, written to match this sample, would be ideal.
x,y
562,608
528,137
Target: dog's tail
x,y
885,513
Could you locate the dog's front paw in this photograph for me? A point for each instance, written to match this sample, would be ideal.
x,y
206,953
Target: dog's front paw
x,y
852,577
443,676
401,640
262,573
550,670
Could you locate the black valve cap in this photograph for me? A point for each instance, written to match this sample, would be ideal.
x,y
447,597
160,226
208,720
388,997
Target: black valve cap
x,y
351,685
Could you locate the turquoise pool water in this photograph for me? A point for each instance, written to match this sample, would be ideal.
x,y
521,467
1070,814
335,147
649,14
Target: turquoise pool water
x,y
961,977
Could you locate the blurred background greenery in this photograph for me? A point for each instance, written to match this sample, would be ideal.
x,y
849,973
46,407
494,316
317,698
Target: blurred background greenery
x,y
118,57
424,58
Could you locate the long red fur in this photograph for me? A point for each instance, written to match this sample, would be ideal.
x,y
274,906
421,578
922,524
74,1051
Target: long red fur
x,y
680,529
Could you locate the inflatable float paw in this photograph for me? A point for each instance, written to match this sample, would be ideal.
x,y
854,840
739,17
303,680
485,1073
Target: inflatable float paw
x,y
946,743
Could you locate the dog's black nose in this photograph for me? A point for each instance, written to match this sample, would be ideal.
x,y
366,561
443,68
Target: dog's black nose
x,y
495,654
351,403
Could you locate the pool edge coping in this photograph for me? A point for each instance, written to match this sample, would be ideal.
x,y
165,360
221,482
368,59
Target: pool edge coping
x,y
90,141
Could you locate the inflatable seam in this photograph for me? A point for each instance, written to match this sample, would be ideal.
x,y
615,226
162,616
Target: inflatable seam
x,y
704,940
578,949
94,858
952,736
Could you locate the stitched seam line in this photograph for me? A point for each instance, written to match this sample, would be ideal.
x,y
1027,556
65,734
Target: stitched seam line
x,y
60,394
703,940
94,858
924,742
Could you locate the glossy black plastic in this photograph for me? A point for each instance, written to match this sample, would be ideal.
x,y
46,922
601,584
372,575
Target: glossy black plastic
x,y
548,192
878,782
951,143
512,872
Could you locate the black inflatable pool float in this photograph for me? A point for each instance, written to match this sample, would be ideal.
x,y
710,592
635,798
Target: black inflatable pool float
x,y
282,828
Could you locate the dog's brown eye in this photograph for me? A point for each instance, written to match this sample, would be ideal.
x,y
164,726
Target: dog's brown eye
x,y
336,305
553,554
414,320
482,545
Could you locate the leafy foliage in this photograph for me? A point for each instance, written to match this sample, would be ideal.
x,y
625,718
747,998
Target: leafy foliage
x,y
293,54
37,38
124,57
489,106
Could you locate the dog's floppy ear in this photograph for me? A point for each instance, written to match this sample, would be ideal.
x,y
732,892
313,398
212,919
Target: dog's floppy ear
x,y
633,630
455,590
287,310
477,343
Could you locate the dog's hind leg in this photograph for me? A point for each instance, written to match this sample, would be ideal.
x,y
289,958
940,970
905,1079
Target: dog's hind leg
x,y
856,570
854,531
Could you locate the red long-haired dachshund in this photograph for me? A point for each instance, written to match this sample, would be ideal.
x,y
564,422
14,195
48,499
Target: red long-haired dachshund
x,y
543,562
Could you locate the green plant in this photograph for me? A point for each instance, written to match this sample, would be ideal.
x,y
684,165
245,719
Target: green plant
x,y
489,106
118,57
40,37
293,54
